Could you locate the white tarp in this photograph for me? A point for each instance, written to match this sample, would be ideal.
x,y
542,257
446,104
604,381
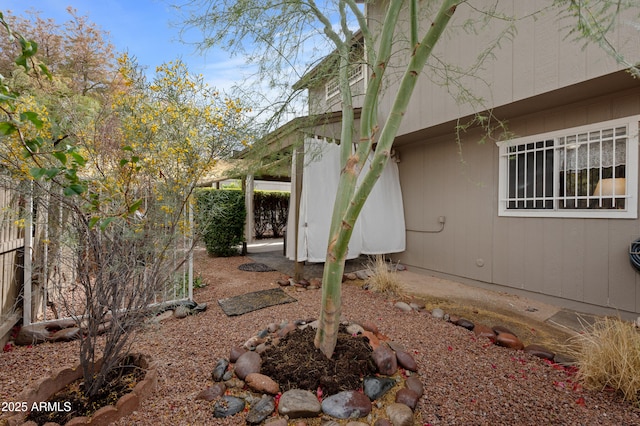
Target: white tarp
x,y
380,229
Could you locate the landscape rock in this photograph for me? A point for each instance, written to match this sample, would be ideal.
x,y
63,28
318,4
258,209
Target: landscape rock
x,y
400,414
407,397
540,352
482,330
286,329
350,276
362,275
374,342
66,335
261,410
261,383
564,360
415,385
354,329
465,323
32,334
417,305
437,313
376,387
218,371
369,326
181,311
347,405
297,403
234,383
235,353
404,307
228,406
509,340
212,392
385,360
249,362
382,422
500,329
200,307
406,361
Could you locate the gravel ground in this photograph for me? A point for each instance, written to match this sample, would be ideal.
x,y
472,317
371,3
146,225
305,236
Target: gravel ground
x,y
467,381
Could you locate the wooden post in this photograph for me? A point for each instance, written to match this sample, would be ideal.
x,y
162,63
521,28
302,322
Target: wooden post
x,y
248,204
299,167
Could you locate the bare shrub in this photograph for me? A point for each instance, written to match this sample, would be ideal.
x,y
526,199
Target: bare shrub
x,y
608,356
383,277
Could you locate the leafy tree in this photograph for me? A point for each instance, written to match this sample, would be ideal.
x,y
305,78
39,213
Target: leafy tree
x,y
113,169
289,31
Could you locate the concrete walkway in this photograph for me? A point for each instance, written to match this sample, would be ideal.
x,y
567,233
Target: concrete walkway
x,y
463,300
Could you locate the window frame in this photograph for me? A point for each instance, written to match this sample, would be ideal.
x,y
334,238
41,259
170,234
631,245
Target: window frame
x,y
631,173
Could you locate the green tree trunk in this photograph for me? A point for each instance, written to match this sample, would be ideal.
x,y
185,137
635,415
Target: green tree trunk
x,y
351,197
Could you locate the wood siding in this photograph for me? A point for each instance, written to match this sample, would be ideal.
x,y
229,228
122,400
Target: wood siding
x,y
585,261
540,57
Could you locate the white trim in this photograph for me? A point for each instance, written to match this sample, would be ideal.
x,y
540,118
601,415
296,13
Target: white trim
x,y
631,166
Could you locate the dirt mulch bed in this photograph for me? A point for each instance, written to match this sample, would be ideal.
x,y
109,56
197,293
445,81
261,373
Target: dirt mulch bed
x,y
467,381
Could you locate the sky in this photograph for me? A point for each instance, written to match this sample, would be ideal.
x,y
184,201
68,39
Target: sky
x,y
147,29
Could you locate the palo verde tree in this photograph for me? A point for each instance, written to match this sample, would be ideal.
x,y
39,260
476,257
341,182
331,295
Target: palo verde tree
x,y
114,169
280,36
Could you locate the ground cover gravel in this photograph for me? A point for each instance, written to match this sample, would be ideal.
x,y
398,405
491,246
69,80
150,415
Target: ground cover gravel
x,y
467,380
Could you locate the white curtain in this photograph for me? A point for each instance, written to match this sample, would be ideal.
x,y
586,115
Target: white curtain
x,y
380,228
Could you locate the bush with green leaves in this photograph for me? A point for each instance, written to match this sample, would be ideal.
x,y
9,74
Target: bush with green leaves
x,y
220,217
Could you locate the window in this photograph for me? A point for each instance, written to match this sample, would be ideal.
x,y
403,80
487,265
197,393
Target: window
x,y
588,171
356,74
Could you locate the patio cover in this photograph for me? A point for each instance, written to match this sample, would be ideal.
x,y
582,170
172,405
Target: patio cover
x,y
380,229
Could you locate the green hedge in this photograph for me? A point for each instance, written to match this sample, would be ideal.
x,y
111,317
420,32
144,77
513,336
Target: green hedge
x,y
220,217
270,210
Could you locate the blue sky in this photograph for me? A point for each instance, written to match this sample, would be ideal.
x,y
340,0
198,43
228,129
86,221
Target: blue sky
x,y
147,29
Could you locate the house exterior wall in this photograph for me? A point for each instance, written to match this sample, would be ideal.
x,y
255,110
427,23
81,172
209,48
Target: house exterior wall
x,y
584,262
540,57
538,80
319,104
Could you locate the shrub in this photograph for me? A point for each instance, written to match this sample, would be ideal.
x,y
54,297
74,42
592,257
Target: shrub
x,y
608,356
220,216
382,277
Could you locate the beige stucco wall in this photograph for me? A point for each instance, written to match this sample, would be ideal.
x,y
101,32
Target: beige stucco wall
x,y
583,262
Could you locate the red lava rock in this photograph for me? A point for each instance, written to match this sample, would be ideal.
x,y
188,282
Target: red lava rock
x,y
407,397
510,341
385,360
482,330
540,352
406,361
